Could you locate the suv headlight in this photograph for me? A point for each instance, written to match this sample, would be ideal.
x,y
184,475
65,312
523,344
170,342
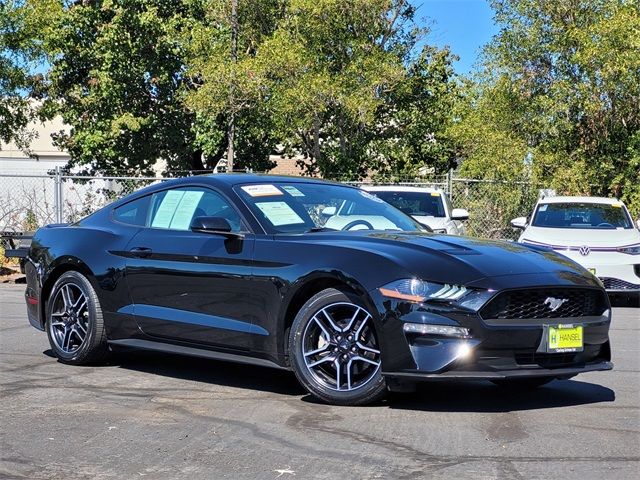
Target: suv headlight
x,y
416,290
630,250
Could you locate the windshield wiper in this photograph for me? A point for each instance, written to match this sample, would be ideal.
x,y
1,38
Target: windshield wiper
x,y
321,229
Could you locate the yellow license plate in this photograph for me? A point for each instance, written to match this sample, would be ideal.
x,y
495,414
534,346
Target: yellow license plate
x,y
565,338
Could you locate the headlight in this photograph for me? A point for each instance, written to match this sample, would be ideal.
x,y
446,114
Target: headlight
x,y
630,250
415,290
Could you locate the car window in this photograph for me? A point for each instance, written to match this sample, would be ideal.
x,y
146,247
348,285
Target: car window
x,y
133,213
581,215
300,207
175,209
427,204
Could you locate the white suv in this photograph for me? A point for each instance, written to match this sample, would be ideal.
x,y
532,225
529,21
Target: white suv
x,y
429,206
598,233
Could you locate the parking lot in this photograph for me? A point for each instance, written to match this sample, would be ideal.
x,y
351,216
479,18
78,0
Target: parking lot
x,y
161,416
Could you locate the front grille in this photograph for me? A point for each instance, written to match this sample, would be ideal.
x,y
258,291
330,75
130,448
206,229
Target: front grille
x,y
530,303
617,284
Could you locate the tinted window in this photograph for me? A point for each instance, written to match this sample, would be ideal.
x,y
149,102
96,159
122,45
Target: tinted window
x,y
581,215
133,213
415,203
175,209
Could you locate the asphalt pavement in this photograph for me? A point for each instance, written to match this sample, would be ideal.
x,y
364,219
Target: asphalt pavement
x,y
158,416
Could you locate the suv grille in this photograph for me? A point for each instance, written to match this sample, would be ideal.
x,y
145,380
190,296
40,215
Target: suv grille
x,y
530,304
617,284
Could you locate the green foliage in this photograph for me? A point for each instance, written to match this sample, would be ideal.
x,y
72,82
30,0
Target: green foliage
x,y
18,51
558,90
117,71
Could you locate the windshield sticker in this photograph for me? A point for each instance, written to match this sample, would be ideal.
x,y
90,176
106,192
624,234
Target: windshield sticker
x,y
543,208
184,212
368,195
617,205
162,218
279,213
435,194
262,190
293,191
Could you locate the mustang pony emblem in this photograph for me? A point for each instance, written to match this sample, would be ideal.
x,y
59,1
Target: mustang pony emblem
x,y
555,303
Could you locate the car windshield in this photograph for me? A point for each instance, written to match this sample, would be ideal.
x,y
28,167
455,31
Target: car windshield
x,y
581,215
297,207
425,204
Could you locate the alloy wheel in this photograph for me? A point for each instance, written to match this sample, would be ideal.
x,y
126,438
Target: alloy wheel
x,y
340,348
69,323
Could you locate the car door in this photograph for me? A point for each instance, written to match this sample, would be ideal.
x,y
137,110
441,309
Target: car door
x,y
192,286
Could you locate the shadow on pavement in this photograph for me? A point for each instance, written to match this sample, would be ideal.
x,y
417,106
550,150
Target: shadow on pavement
x,y
479,396
434,396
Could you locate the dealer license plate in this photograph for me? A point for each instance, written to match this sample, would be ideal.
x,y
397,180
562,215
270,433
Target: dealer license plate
x,y
565,338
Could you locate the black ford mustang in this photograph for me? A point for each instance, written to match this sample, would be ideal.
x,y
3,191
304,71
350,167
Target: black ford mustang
x,y
264,270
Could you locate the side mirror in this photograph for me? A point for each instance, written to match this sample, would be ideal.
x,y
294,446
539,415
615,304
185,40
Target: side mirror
x,y
459,214
213,225
426,227
328,211
520,222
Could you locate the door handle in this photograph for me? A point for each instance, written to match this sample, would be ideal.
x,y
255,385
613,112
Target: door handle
x,y
141,252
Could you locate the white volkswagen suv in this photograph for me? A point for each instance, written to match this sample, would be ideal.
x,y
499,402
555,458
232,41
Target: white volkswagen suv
x,y
429,206
596,232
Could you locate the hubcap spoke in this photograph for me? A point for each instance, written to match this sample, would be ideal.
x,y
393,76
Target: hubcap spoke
x,y
368,349
330,320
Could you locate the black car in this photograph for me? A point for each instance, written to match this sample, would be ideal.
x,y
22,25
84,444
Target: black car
x,y
263,270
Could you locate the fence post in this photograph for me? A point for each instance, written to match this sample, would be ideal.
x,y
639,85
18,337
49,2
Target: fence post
x,y
57,195
450,183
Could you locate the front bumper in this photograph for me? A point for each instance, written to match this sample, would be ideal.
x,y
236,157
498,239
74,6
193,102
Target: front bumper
x,y
494,350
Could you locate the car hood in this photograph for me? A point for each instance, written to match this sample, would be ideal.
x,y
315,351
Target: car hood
x,y
461,260
574,237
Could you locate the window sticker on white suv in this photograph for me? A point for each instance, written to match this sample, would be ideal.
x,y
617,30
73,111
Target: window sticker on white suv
x,y
279,213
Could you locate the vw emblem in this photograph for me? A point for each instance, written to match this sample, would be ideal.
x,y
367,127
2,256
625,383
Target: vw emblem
x,y
555,303
584,250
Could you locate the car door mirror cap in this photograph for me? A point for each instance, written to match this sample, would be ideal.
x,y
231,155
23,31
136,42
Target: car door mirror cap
x,y
459,214
520,222
214,226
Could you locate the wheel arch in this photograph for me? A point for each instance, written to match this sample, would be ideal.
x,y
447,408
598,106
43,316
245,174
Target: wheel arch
x,y
309,286
66,264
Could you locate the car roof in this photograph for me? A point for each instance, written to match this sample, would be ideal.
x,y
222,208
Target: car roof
x,y
605,200
233,179
399,188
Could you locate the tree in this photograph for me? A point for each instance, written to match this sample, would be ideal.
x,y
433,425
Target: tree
x,y
17,53
117,73
558,97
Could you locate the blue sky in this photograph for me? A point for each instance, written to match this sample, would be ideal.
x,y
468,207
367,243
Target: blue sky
x,y
464,25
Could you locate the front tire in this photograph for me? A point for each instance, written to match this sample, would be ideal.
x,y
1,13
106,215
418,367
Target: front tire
x,y
74,322
334,350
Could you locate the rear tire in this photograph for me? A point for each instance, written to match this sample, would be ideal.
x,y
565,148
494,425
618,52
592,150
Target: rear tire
x,y
523,383
74,322
334,350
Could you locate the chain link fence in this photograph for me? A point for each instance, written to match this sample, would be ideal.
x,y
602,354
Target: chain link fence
x,y
31,201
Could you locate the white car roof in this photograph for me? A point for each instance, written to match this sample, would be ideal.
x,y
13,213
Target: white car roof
x,y
399,188
605,200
